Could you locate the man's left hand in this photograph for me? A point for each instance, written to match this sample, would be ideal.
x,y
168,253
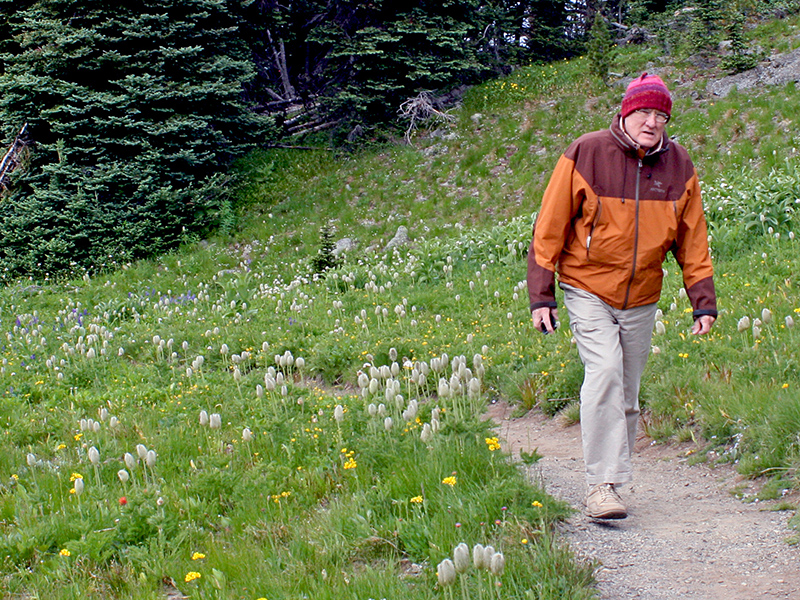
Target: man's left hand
x,y
702,325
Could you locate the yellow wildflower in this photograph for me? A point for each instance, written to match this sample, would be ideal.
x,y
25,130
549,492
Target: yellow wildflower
x,y
75,476
537,504
451,481
198,556
350,464
493,443
65,552
191,576
417,500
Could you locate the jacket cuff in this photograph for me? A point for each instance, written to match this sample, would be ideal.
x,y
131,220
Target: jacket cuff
x,y
548,304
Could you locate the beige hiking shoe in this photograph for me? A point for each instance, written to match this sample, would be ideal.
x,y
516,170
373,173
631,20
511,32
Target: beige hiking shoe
x,y
603,502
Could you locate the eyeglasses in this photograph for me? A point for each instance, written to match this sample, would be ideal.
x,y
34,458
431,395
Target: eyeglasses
x,y
644,114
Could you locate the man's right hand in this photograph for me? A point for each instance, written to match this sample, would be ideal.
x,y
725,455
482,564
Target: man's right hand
x,y
542,319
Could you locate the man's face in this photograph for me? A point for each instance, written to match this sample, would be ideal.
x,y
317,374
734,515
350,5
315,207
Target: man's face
x,y
646,126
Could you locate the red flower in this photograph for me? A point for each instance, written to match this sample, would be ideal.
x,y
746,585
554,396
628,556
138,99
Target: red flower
x,y
123,501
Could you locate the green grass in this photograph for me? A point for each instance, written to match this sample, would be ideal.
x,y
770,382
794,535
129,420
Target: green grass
x,y
315,506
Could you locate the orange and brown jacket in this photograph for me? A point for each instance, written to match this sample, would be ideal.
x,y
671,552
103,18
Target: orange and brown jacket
x,y
610,214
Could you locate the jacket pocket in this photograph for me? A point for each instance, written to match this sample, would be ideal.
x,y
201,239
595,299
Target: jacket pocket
x,y
595,221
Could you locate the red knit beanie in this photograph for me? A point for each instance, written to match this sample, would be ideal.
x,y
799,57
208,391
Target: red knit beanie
x,y
647,91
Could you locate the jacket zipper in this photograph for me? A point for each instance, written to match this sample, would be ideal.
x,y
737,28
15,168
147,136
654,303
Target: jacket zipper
x,y
594,224
635,236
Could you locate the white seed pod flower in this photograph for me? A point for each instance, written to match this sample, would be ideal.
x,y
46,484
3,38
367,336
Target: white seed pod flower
x,y
363,380
96,426
477,556
682,294
141,450
203,418
488,553
373,386
103,413
113,422
300,363
743,324
388,423
31,458
461,559
381,410
338,413
756,332
150,458
94,455
78,485
90,353
259,391
123,475
498,564
247,435
766,315
214,421
446,572
224,349
130,461
427,433
789,322
372,410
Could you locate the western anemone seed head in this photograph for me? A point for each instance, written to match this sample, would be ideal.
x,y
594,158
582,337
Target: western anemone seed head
x,y
427,433
300,362
113,422
123,475
338,413
363,380
94,455
31,458
223,349
477,556
393,354
660,328
141,450
372,410
130,461
203,418
150,459
259,391
743,324
373,386
488,553
103,413
381,410
766,315
388,423
789,322
214,421
78,485
446,572
461,558
247,435
498,564
756,332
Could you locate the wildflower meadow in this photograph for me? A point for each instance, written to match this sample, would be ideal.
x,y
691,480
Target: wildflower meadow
x,y
228,421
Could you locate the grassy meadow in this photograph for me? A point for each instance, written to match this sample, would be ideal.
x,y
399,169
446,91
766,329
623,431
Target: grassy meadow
x,y
223,422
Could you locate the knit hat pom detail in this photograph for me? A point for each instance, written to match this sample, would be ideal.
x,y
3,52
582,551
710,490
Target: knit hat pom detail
x,y
647,91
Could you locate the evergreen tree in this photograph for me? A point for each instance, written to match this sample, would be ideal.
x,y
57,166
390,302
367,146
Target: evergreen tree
x,y
135,112
600,48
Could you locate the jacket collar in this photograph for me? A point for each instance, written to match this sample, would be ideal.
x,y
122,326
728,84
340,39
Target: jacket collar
x,y
631,147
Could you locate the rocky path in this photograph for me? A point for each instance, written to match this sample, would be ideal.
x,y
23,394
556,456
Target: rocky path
x,y
686,536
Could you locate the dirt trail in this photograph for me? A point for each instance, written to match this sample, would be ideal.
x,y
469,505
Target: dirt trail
x,y
686,536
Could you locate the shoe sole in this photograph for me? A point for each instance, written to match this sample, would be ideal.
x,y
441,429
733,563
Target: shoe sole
x,y
609,515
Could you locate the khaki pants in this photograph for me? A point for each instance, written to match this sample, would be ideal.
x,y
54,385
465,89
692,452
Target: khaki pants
x,y
613,345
